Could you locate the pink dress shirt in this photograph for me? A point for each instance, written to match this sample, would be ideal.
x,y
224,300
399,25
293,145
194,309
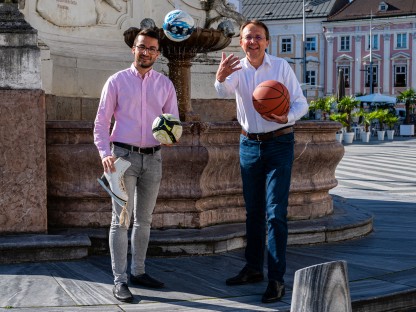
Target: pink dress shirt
x,y
135,102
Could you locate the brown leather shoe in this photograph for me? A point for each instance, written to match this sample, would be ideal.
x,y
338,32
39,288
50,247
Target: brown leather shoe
x,y
146,280
274,292
246,276
122,292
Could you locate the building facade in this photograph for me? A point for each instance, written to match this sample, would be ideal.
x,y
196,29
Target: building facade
x,y
337,36
373,42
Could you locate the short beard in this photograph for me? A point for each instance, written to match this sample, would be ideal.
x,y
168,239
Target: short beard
x,y
144,65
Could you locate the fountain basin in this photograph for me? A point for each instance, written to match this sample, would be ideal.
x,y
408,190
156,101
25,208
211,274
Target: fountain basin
x,y
201,184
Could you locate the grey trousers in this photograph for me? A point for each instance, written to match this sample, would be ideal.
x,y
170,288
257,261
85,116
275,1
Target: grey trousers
x,y
142,181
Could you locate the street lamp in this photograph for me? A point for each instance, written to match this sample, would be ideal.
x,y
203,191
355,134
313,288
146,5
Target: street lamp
x,y
371,54
304,10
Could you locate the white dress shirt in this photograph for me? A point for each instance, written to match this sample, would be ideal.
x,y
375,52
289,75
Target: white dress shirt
x,y
244,81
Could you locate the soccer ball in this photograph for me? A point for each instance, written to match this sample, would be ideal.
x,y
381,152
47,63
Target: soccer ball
x,y
178,25
167,129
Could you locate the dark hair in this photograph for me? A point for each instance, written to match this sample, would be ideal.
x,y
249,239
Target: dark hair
x,y
149,33
257,23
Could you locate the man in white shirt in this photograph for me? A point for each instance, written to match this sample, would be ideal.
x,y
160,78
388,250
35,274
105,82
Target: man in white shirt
x,y
266,154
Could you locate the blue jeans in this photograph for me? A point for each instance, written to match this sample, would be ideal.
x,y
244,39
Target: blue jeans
x,y
266,169
142,181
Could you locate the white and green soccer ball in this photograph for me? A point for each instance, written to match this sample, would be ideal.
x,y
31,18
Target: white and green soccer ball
x,y
167,129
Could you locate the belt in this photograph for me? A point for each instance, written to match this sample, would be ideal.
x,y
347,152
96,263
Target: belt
x,y
141,150
267,135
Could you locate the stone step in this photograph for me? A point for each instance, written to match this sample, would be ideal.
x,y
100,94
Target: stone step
x,y
43,247
347,222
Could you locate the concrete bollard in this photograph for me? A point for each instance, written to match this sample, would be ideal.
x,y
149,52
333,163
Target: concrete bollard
x,y
322,288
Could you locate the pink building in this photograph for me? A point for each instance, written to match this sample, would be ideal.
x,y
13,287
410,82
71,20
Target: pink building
x,y
389,55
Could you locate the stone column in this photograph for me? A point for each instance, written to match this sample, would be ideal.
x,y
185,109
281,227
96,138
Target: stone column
x,y
357,68
387,68
412,69
22,124
330,66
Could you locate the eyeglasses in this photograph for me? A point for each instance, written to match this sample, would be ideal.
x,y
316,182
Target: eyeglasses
x,y
151,50
256,38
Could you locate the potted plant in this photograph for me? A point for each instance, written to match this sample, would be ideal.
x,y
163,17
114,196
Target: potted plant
x,y
322,106
390,121
346,105
342,118
408,97
381,115
367,118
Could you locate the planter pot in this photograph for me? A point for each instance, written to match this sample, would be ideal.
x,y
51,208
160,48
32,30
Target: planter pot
x,y
407,129
338,137
365,136
380,135
348,137
390,134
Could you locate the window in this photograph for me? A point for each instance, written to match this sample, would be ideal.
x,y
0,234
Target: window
x,y
344,43
374,43
346,70
311,77
383,6
375,75
401,41
286,45
311,44
400,72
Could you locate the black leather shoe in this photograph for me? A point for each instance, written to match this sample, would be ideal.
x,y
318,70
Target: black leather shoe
x,y
146,280
122,292
274,292
245,276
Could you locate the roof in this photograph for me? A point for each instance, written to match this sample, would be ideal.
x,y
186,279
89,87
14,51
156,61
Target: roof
x,y
289,9
359,9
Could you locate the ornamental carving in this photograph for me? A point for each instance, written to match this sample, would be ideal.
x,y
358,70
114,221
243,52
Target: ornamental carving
x,y
81,13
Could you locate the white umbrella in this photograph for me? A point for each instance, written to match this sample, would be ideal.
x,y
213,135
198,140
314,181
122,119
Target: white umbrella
x,y
377,98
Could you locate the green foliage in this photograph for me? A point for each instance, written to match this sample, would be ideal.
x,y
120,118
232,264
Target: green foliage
x,y
322,104
381,115
367,118
340,117
346,105
409,98
391,120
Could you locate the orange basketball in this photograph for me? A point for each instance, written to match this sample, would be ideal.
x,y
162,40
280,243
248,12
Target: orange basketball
x,y
271,97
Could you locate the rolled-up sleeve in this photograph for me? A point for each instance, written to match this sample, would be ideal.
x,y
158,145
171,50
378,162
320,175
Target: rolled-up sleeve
x,y
103,119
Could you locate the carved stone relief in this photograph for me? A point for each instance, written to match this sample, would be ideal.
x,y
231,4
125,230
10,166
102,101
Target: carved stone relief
x,y
81,13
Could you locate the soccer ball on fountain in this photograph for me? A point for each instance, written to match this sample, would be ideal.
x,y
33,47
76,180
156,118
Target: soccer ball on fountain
x,y
167,129
178,25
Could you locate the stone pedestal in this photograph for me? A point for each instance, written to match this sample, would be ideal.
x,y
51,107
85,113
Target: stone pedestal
x,y
22,127
22,162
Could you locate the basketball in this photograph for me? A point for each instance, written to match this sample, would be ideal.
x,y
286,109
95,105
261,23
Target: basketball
x,y
178,25
167,129
271,97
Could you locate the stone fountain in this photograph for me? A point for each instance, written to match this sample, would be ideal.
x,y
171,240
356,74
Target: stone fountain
x,y
200,208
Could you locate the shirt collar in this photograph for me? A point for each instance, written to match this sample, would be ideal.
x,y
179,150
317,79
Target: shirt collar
x,y
266,60
136,72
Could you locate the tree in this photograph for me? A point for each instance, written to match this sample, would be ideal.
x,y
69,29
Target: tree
x,y
381,115
367,118
408,97
391,120
347,105
342,118
323,104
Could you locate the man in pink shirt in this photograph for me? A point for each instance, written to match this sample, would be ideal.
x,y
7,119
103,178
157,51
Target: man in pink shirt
x,y
134,97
